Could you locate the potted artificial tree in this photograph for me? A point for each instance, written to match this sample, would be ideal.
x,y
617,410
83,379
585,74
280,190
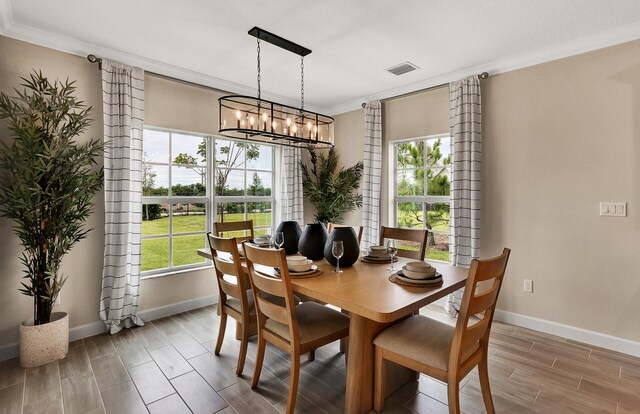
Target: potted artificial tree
x,y
333,192
47,183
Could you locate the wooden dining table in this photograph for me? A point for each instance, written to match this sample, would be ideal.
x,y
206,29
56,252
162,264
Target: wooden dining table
x,y
374,303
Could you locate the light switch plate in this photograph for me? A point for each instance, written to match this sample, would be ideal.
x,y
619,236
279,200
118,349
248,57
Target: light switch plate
x,y
613,208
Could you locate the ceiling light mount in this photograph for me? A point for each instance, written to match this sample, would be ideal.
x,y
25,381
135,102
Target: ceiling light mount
x,y
258,120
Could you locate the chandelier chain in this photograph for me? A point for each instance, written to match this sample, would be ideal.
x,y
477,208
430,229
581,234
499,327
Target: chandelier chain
x,y
302,82
259,90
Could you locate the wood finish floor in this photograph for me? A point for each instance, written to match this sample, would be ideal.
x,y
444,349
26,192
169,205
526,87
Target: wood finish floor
x,y
168,366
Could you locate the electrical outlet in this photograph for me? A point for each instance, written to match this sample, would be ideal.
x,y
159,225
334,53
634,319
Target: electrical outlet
x,y
528,286
613,208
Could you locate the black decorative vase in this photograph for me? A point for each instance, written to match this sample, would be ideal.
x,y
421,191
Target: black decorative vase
x,y
291,231
312,241
349,242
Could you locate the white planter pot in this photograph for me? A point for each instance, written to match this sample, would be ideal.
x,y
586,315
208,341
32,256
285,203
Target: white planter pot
x,y
41,344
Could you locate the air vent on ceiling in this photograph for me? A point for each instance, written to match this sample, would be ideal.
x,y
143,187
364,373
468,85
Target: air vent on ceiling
x,y
402,68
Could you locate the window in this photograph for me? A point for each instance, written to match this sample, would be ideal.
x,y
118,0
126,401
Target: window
x,y
175,203
421,193
243,184
190,181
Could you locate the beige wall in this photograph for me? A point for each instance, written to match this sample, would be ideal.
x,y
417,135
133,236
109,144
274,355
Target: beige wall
x,y
413,116
558,138
83,264
167,104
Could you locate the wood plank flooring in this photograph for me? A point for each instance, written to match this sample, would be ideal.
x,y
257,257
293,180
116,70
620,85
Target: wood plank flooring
x,y
168,366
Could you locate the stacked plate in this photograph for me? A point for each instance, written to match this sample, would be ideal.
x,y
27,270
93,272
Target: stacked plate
x,y
419,273
262,241
377,254
299,266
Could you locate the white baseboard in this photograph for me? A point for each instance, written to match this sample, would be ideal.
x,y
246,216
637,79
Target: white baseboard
x,y
12,350
598,339
178,307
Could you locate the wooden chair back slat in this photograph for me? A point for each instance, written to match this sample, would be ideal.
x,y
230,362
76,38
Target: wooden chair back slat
x,y
484,300
226,227
466,335
273,311
262,282
231,266
409,235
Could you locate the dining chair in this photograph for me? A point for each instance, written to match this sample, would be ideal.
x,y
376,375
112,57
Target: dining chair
x,y
406,235
293,328
358,229
228,226
442,351
235,300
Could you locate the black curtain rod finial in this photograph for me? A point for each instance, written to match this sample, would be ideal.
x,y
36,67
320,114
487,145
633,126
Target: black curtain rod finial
x,y
94,59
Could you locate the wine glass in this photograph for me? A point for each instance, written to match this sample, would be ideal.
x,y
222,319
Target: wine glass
x,y
392,250
278,239
337,249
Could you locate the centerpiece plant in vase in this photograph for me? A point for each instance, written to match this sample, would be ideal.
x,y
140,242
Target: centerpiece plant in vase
x,y
334,192
47,184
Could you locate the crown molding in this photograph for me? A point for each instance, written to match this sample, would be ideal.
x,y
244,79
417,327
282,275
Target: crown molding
x,y
6,16
577,46
79,48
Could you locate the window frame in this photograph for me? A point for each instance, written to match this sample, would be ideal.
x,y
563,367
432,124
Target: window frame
x,y
423,199
171,200
216,199
211,200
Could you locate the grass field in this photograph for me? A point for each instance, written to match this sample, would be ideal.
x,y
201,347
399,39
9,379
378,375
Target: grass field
x,y
155,252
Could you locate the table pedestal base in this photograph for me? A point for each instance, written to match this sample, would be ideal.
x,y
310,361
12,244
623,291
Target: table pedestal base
x,y
361,369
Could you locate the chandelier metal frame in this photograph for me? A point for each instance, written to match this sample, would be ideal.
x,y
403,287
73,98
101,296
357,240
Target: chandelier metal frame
x,y
260,120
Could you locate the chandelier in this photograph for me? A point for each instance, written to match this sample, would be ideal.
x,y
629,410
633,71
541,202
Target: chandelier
x,y
259,120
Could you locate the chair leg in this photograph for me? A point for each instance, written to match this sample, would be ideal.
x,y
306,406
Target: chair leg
x,y
311,356
379,381
262,343
244,342
223,327
453,391
293,383
483,372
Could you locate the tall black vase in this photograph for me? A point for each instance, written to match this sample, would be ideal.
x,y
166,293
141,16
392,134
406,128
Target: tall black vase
x,y
312,241
349,242
291,231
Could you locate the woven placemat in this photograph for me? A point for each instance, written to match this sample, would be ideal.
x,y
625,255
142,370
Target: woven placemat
x,y
393,278
294,276
376,261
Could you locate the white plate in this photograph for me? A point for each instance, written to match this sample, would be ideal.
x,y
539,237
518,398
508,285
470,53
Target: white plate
x,y
300,267
313,269
419,275
418,266
436,280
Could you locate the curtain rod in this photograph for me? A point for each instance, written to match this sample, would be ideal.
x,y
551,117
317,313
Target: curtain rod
x,y
94,59
483,75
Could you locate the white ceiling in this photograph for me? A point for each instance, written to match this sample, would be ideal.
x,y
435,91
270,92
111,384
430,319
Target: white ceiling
x,y
353,41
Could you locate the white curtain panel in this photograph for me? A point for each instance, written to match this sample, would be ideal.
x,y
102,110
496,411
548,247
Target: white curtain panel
x,y
465,115
123,107
292,199
465,120
371,174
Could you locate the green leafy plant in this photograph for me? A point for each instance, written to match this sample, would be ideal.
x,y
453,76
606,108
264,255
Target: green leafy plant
x,y
333,192
47,181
